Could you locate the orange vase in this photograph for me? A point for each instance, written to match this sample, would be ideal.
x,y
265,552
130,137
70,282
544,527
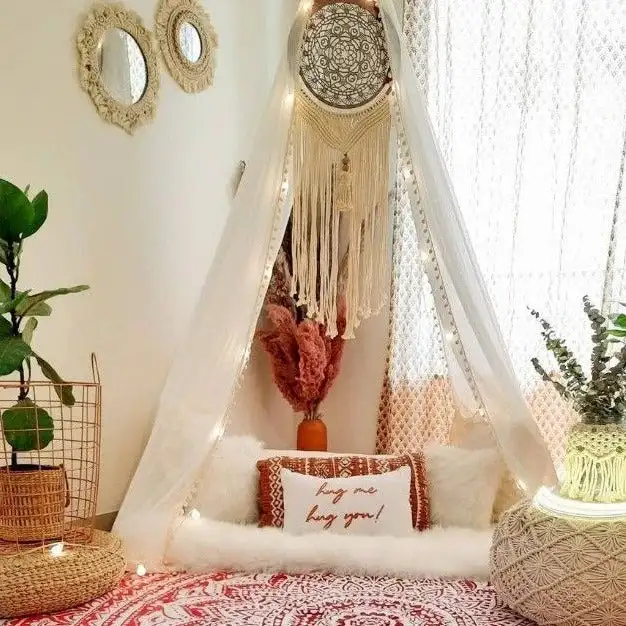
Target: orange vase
x,y
312,434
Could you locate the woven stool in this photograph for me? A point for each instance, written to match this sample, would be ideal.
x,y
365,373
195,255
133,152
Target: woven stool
x,y
559,570
45,581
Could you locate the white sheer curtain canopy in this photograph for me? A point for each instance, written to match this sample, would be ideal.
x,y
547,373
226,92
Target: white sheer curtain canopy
x,y
198,394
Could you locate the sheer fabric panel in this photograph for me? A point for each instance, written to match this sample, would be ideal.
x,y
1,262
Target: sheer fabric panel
x,y
481,373
195,403
528,102
417,403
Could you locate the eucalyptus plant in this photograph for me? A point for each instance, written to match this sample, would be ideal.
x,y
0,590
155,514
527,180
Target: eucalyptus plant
x,y
600,397
26,426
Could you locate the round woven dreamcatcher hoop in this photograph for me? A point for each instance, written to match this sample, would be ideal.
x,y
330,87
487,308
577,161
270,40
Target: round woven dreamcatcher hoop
x,y
344,61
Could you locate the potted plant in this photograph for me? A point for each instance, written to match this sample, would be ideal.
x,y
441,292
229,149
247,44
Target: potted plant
x,y
32,496
305,361
595,454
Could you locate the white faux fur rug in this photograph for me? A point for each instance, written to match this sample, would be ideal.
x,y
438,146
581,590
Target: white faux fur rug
x,y
200,545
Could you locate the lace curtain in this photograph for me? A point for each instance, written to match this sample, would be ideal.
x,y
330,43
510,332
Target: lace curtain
x,y
528,100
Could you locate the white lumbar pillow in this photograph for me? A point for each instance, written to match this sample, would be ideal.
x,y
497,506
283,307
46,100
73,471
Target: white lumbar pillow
x,y
358,505
462,485
229,487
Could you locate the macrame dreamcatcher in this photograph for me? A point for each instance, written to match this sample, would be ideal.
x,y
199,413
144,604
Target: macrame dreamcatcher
x,y
341,165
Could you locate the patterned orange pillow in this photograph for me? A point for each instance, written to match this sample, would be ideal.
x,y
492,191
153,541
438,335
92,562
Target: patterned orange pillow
x,y
271,503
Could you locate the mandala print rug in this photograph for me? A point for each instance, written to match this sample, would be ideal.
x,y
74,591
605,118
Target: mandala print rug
x,y
283,600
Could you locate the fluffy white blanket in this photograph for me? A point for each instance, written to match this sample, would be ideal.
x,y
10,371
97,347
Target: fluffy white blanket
x,y
437,553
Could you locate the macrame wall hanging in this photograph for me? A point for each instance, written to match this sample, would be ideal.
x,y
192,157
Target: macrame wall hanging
x,y
341,166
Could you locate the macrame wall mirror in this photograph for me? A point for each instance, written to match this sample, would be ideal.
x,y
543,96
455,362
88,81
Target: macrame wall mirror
x,y
118,65
188,43
341,138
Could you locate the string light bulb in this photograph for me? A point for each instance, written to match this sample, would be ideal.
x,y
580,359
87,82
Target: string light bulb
x,y
285,187
424,255
289,98
306,5
450,336
141,570
57,549
194,514
407,173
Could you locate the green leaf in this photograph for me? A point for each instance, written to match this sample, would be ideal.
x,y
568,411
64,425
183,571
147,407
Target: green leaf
x,y
620,321
6,328
36,298
16,212
12,305
27,427
29,329
13,351
23,300
5,291
617,333
63,390
39,205
35,309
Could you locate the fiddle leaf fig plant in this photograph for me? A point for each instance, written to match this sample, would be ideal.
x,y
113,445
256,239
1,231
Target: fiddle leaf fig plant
x,y
26,426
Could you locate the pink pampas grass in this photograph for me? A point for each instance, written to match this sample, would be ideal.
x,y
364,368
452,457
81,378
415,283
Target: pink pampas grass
x,y
305,361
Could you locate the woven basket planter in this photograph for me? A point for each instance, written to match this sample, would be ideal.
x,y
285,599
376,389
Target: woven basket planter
x,y
560,571
595,464
37,582
32,503
48,493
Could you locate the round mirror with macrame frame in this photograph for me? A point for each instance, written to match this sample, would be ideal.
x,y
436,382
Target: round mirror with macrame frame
x,y
118,65
188,43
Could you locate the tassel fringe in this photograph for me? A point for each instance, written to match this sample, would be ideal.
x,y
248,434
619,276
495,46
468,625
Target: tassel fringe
x,y
343,195
595,464
341,169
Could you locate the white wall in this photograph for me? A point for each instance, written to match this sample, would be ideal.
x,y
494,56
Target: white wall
x,y
136,218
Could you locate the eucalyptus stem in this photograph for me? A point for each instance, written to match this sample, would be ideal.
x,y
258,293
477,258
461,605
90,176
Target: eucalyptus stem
x,y
600,398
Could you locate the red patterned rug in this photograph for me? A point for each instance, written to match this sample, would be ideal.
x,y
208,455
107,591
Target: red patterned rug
x,y
283,600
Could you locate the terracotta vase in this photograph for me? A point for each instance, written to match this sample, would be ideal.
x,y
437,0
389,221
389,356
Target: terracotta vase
x,y
312,434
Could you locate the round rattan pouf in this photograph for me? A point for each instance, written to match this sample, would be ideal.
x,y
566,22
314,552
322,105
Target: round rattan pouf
x,y
45,581
562,571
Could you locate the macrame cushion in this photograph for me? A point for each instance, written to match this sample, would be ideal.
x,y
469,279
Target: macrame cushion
x,y
271,499
558,570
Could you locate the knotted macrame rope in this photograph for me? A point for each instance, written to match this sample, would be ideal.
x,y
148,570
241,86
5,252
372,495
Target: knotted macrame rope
x,y
595,464
341,169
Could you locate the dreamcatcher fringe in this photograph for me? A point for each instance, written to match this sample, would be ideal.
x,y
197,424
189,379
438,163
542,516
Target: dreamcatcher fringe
x,y
341,169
